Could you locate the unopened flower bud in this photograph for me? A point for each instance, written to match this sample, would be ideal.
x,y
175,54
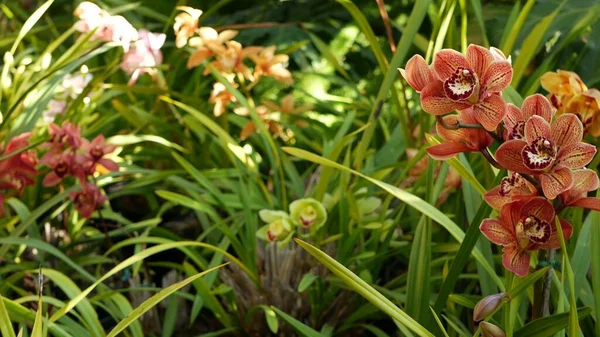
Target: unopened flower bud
x,y
491,330
487,305
308,212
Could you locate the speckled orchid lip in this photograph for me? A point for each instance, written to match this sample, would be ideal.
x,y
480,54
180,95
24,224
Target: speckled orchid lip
x,y
511,184
531,228
540,154
518,131
461,85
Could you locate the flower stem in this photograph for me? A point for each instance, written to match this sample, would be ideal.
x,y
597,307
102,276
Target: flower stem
x,y
548,284
486,153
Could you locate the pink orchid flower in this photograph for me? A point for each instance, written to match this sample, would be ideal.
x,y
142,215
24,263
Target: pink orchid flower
x,y
144,57
88,199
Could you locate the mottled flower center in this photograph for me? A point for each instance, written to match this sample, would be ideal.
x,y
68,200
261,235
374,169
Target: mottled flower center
x,y
276,229
96,152
518,131
461,85
308,216
540,154
61,169
513,184
532,229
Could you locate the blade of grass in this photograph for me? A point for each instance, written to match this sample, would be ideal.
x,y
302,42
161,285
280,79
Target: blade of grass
x,y
531,44
5,324
365,290
516,29
37,330
298,326
595,252
573,319
154,300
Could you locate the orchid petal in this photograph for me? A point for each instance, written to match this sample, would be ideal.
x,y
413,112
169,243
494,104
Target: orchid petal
x,y
479,58
537,127
447,61
497,77
494,199
537,105
554,241
447,150
566,130
539,207
497,232
515,260
418,73
490,111
556,182
509,156
588,203
434,100
576,155
513,115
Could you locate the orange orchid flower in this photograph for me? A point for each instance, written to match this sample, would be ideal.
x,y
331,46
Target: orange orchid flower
x,y
521,227
267,63
562,86
208,43
584,181
515,119
456,82
220,97
549,151
586,105
511,188
185,25
459,140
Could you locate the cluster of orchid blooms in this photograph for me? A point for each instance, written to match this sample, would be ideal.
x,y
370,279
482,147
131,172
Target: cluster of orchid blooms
x,y
306,216
68,155
229,57
141,48
540,144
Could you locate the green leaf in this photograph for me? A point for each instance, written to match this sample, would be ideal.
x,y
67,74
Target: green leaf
x,y
437,319
419,269
154,300
568,272
328,55
527,282
5,324
515,30
548,326
595,252
411,199
306,281
122,140
295,324
37,330
476,4
365,290
271,319
530,46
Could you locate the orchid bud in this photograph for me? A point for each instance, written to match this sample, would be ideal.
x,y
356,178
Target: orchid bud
x,y
491,330
278,227
308,212
487,305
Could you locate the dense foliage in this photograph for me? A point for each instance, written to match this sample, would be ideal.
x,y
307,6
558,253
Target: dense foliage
x,y
289,168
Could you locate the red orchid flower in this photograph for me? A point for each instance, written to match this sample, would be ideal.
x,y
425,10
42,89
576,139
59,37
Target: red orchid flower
x,y
584,181
521,227
457,82
96,150
88,199
459,140
511,188
62,165
515,119
19,170
67,135
549,151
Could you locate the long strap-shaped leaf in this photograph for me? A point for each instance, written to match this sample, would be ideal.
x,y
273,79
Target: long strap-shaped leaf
x,y
365,290
5,325
410,199
154,300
